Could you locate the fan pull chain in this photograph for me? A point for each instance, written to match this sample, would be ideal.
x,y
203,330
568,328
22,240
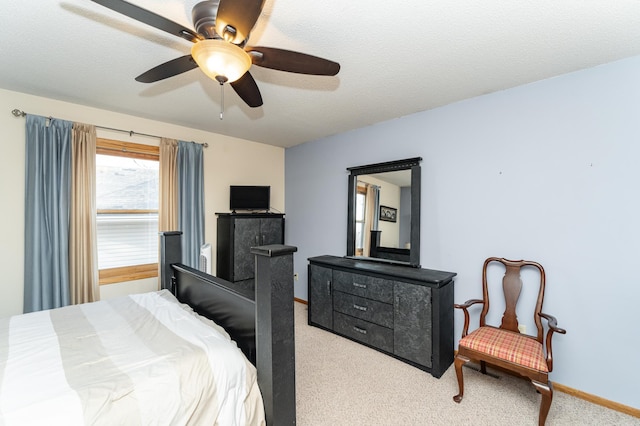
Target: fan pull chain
x,y
221,100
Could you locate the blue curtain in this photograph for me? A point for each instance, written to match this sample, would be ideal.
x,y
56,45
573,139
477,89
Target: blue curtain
x,y
47,200
190,201
376,207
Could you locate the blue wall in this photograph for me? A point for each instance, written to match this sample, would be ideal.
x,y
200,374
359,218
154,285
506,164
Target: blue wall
x,y
548,172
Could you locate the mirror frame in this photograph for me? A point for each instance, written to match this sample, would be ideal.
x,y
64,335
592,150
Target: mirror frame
x,y
410,163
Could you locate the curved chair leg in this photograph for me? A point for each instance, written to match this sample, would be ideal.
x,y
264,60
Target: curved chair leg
x,y
546,390
459,361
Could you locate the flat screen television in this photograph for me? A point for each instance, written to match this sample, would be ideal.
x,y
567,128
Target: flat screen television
x,y
243,197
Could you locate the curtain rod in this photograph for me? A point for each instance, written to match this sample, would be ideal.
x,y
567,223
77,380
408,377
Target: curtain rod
x,y
19,113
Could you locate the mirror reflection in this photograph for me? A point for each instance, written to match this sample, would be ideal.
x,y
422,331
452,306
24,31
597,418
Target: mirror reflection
x,y
383,215
384,212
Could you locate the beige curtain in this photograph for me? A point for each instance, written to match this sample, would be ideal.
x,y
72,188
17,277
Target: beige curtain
x,y
83,246
168,204
168,208
369,211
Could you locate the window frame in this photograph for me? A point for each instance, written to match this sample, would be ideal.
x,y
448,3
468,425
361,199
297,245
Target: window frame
x,y
127,150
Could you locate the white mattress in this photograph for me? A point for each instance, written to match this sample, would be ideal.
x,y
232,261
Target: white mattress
x,y
140,359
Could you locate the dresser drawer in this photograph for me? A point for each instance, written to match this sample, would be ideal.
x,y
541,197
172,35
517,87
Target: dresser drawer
x,y
366,309
363,331
363,286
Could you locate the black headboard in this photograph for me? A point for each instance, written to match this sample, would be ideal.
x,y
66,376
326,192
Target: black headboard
x,y
210,297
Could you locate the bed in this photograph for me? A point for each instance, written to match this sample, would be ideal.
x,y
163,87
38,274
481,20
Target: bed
x,y
199,351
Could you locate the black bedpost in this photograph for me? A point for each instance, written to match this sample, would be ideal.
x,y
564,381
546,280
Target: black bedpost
x,y
275,340
170,253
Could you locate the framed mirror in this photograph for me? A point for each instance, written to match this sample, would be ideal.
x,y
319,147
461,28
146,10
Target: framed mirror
x,y
383,218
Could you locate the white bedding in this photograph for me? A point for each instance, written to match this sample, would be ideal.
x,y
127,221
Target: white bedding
x,y
141,359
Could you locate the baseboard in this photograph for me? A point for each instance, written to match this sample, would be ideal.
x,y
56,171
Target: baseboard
x,y
635,412
616,406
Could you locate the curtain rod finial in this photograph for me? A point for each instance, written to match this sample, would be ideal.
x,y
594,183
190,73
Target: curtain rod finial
x,y
16,112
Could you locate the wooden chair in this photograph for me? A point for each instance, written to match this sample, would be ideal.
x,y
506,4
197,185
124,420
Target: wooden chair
x,y
505,347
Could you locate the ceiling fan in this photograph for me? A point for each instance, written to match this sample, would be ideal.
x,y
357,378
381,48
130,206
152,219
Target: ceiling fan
x,y
222,29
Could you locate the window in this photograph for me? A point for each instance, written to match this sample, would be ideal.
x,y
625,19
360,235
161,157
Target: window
x,y
127,185
361,202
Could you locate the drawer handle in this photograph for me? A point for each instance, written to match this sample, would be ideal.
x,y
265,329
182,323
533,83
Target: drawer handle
x,y
360,330
360,308
358,285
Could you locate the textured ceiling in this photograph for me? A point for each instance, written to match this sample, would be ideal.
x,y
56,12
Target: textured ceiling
x,y
397,58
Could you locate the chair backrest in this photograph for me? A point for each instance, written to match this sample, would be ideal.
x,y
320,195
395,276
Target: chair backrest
x,y
512,287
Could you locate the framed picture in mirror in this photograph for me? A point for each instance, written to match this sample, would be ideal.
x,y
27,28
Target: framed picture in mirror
x,y
388,214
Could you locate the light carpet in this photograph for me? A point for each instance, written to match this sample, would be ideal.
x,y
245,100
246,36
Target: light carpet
x,y
340,382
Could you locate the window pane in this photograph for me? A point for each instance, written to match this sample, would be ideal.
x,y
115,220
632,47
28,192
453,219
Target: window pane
x,y
359,235
360,200
126,183
127,239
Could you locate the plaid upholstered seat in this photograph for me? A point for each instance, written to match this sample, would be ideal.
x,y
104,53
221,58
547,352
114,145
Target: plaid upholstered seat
x,y
507,345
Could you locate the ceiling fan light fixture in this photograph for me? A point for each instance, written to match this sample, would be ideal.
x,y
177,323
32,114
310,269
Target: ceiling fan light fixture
x,y
219,58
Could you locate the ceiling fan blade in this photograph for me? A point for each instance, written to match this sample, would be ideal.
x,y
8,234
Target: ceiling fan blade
x,y
168,69
240,15
150,18
247,89
287,60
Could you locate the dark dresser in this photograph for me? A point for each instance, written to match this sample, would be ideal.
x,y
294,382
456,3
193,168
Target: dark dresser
x,y
402,311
